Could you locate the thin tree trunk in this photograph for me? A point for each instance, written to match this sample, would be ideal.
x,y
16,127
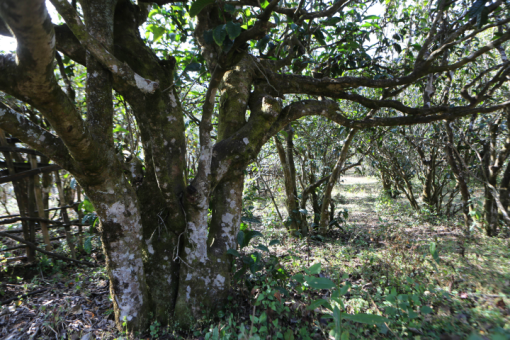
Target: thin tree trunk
x,y
333,179
21,193
67,227
296,221
460,176
40,205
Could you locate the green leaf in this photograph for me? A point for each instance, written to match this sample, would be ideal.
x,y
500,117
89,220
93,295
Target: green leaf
x,y
264,4
345,288
288,335
371,17
337,317
193,67
319,282
198,6
476,9
250,219
370,319
299,278
482,18
87,245
219,34
426,310
320,302
229,8
397,48
158,32
249,234
262,247
320,37
233,252
208,37
240,239
233,30
273,242
262,43
315,269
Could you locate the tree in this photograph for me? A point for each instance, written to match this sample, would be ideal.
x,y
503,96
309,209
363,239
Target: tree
x,y
166,256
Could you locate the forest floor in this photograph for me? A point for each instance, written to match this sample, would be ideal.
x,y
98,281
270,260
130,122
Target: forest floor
x,y
398,275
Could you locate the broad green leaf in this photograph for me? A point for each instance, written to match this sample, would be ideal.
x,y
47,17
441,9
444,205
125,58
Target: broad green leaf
x,y
229,8
273,242
299,278
337,318
250,219
319,282
345,288
262,247
233,29
320,37
154,12
320,302
477,8
198,6
249,234
208,37
370,319
233,252
193,67
219,34
314,269
426,310
240,239
158,32
87,245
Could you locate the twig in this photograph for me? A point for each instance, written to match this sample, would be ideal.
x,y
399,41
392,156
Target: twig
x,y
49,253
22,296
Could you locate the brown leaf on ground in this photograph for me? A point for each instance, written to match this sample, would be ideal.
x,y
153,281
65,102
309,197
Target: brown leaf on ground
x,y
501,304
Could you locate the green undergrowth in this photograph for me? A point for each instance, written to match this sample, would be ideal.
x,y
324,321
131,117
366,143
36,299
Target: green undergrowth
x,y
406,276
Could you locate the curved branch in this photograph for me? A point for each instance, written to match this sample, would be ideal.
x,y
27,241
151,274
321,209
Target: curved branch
x,y
330,110
40,139
297,84
30,78
31,25
117,68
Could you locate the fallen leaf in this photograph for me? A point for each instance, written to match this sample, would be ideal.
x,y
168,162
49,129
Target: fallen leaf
x,y
76,310
278,296
501,304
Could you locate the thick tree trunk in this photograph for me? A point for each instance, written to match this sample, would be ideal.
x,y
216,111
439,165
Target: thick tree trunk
x,y
205,273
122,237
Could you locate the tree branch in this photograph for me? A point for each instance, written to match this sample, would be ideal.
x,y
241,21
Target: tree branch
x,y
117,68
40,139
49,253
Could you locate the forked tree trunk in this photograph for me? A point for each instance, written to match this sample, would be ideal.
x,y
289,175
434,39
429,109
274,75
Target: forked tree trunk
x,y
326,200
296,220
